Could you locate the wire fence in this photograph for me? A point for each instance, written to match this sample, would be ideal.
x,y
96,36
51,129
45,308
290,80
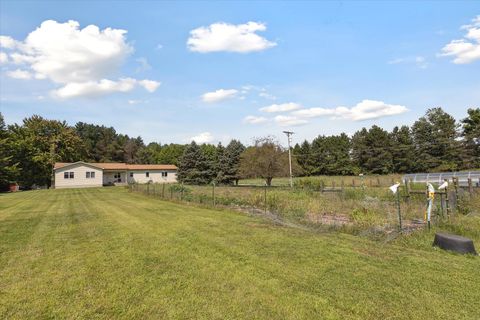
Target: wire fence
x,y
357,210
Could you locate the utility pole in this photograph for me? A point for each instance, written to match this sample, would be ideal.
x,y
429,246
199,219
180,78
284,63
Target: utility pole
x,y
289,133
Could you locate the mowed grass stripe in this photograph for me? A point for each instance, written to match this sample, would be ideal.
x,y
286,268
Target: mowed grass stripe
x,y
112,254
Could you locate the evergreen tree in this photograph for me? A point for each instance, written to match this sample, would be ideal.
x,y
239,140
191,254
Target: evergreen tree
x,y
194,166
436,143
8,168
132,148
403,150
360,149
219,164
229,163
337,153
471,139
303,154
371,150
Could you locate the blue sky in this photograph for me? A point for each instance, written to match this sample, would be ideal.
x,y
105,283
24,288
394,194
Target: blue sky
x,y
221,70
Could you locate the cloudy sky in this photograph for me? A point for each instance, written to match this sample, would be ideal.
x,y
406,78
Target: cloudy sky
x,y
211,71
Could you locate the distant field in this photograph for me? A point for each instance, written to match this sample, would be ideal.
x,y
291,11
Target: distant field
x,y
108,254
367,180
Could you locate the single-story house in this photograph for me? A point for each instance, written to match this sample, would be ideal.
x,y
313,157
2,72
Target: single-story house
x,y
83,174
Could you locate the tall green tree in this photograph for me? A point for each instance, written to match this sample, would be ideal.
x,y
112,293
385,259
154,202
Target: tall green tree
x,y
132,150
266,159
229,162
435,136
371,150
8,167
471,139
39,143
403,150
170,154
194,167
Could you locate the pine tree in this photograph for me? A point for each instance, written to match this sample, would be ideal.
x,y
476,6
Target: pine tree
x,y
8,169
230,162
194,167
471,139
371,150
437,147
403,150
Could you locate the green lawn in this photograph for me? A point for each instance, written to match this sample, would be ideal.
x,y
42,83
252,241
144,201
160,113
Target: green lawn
x,y
106,253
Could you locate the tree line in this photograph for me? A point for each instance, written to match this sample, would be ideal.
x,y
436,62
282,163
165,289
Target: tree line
x,y
435,142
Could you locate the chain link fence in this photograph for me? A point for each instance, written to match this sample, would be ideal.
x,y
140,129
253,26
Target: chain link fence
x,y
368,211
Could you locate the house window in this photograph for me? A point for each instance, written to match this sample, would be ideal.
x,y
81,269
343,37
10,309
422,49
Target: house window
x,y
68,175
147,174
164,174
90,174
131,174
117,177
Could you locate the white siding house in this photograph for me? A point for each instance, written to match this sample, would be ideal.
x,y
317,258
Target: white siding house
x,y
82,174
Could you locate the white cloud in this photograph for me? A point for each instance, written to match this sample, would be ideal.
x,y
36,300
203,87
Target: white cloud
x,y
8,42
20,74
219,95
204,137
465,50
254,120
228,37
419,61
3,58
267,95
137,101
364,110
281,107
149,85
286,121
91,89
77,59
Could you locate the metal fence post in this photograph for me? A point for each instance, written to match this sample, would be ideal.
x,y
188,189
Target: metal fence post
x,y
399,212
213,193
265,197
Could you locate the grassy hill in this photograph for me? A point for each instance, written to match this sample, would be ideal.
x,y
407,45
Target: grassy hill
x,y
106,253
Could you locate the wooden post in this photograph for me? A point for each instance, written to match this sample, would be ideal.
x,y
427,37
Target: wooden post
x,y
378,182
163,190
171,193
353,183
